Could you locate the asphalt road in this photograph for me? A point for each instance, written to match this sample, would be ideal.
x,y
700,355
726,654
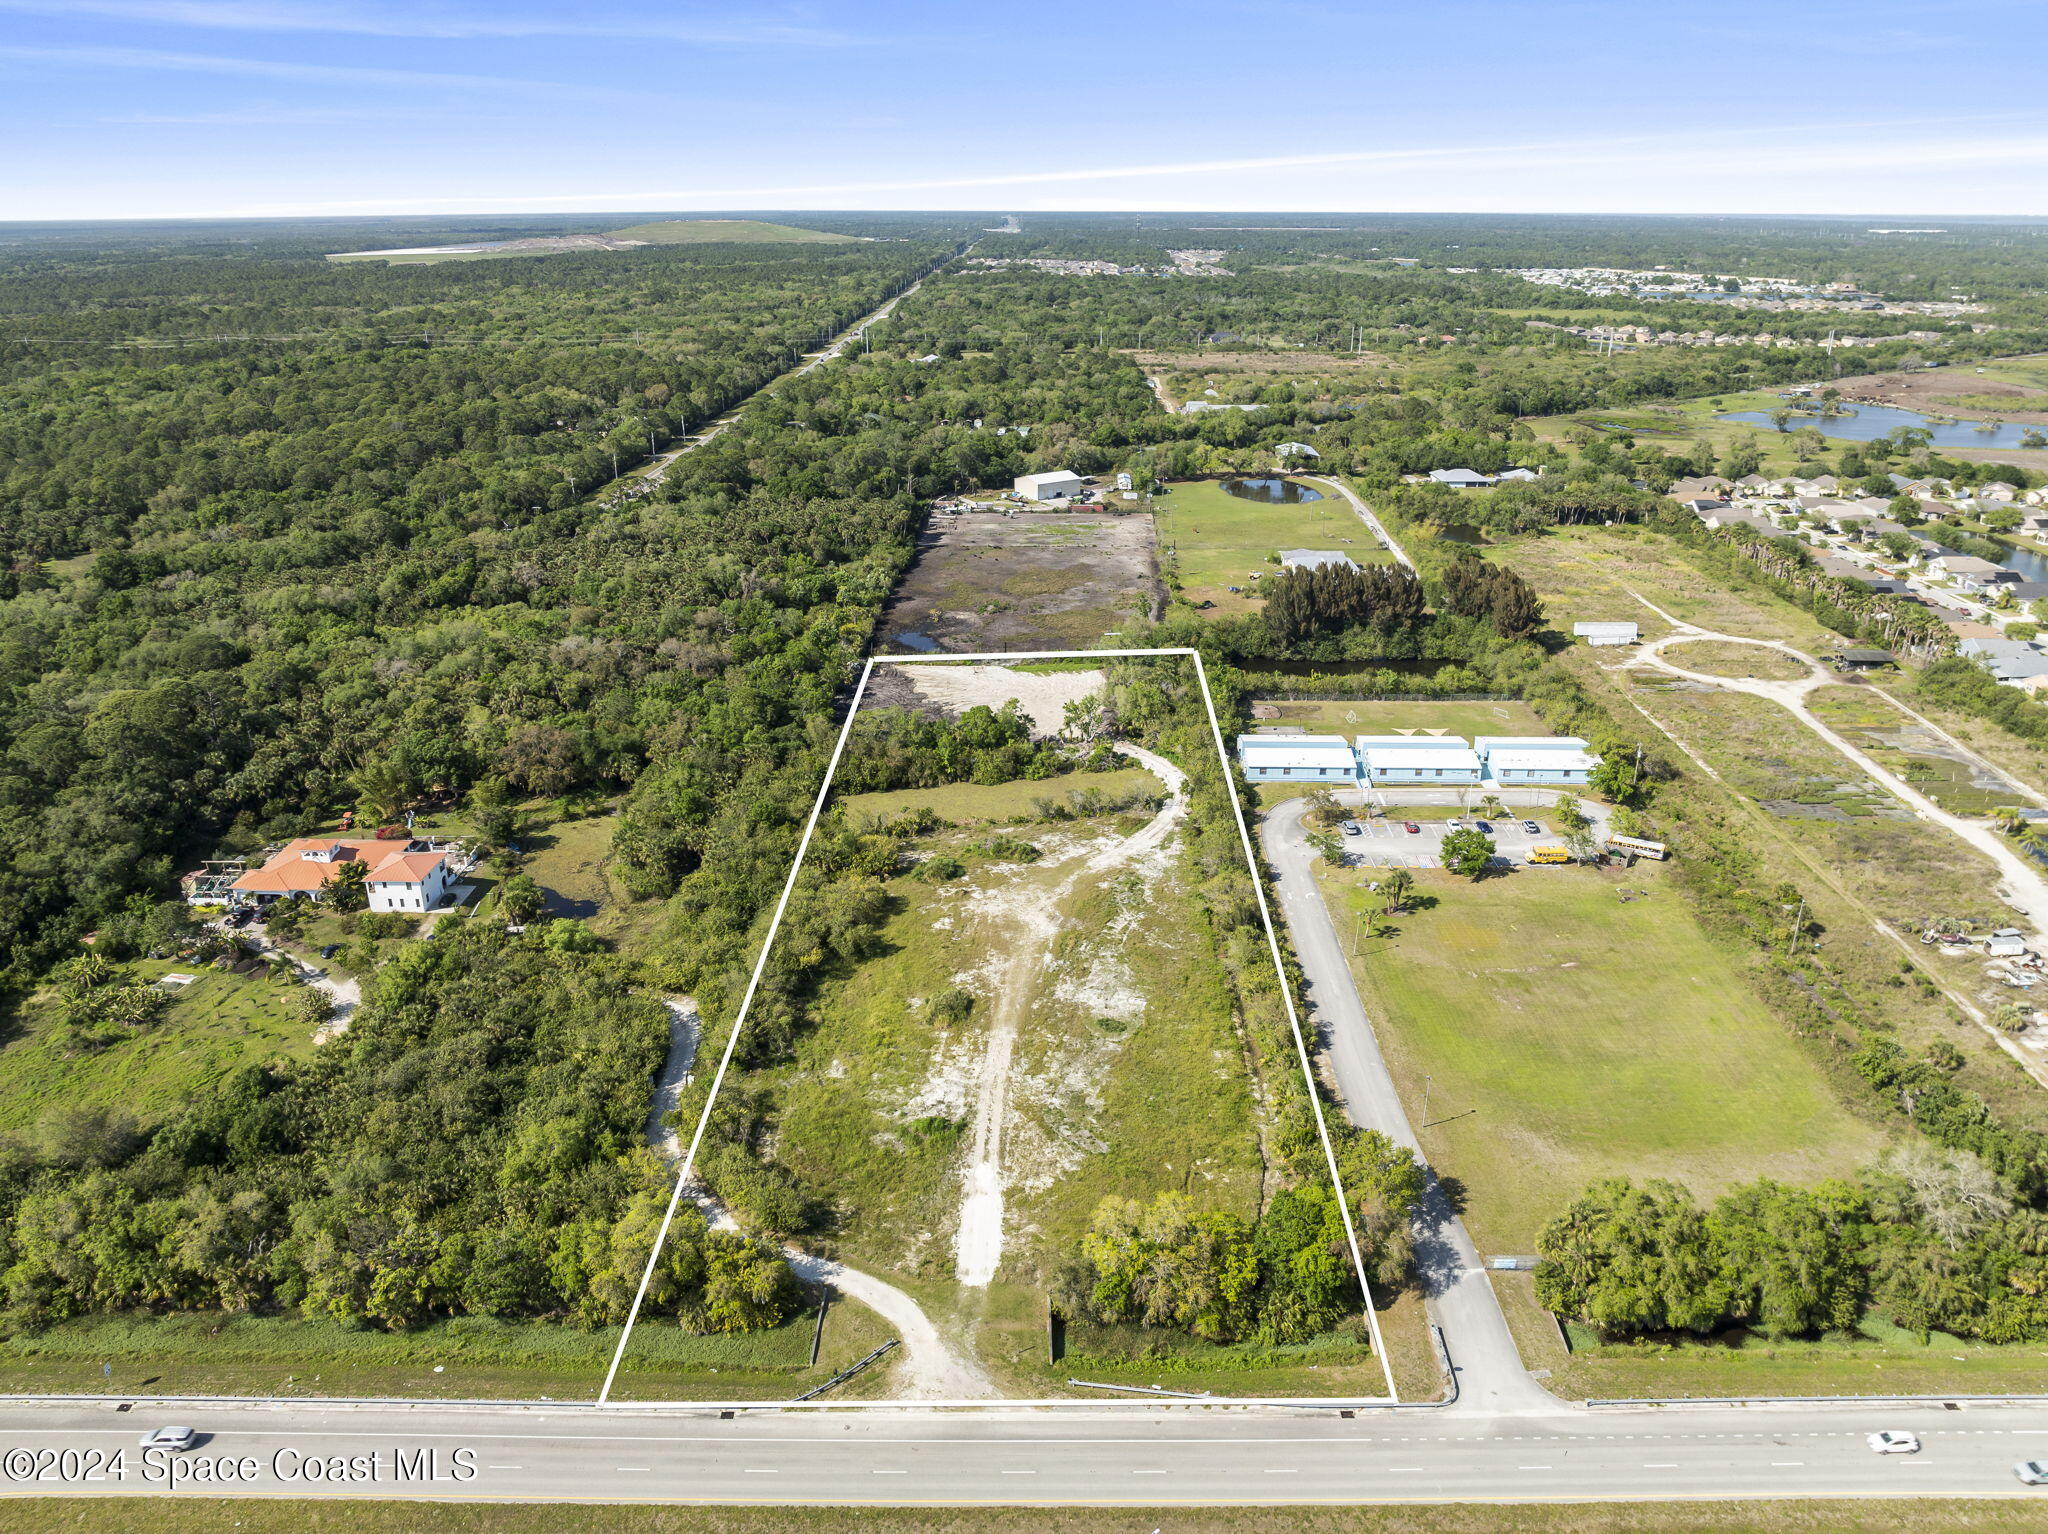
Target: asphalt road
x,y
1153,1457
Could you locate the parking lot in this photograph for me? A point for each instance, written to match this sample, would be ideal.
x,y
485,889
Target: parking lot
x,y
1385,841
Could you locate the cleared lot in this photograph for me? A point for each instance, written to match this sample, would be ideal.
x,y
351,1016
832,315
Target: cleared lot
x,y
1028,581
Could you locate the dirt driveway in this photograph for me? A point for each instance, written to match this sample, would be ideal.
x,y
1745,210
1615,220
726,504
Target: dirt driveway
x,y
1029,581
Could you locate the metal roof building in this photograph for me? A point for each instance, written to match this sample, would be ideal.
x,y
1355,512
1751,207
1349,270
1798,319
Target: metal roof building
x,y
1607,633
1297,758
1309,559
1536,758
1418,759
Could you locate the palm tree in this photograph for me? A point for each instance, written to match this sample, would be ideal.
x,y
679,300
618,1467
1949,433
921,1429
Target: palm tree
x,y
384,787
1395,889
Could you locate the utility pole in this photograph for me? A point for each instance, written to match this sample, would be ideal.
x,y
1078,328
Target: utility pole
x,y
1797,922
1426,1081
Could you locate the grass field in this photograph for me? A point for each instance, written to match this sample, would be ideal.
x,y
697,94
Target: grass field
x,y
1566,1035
216,1026
1212,541
1506,717
1588,573
1718,657
477,1357
966,803
204,1515
1869,719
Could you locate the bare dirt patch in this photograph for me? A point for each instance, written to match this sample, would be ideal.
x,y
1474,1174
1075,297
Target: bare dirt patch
x,y
1942,390
1032,581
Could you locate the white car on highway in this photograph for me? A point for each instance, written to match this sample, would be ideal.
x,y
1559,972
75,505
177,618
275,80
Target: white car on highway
x,y
170,1438
1894,1443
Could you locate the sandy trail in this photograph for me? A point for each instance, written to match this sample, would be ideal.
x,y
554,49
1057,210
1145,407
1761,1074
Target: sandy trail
x,y
927,1367
1032,923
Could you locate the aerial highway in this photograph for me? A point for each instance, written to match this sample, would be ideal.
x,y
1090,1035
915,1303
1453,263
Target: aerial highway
x,y
1153,1456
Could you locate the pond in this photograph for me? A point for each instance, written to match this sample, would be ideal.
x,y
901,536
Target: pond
x,y
1866,423
2031,566
1464,532
1271,491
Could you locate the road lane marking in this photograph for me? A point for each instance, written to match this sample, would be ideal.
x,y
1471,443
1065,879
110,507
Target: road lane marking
x,y
504,1467
1017,1472
1283,1472
1148,1472
760,1472
634,1469
1532,1467
1787,1464
888,1472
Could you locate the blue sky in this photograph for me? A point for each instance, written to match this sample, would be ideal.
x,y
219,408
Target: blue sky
x,y
142,108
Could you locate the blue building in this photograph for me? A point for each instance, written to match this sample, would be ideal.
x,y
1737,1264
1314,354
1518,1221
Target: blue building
x,y
1548,760
1297,759
1417,759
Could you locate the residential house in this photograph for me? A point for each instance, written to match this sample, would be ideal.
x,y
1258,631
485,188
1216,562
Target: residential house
x,y
398,875
1519,474
2011,661
1701,487
1966,571
1460,479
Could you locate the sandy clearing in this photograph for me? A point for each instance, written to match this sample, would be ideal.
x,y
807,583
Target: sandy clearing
x,y
1043,697
1030,921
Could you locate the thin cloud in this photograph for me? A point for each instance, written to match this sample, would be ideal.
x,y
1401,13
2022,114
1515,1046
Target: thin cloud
x,y
259,16
156,60
1694,153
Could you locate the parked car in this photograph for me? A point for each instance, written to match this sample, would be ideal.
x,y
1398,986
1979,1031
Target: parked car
x,y
1891,1442
330,950
1454,824
1413,828
1480,825
1532,828
170,1438
1352,828
2032,1472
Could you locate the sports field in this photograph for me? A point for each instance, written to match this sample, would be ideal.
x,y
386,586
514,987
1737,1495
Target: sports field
x,y
1213,541
1560,1033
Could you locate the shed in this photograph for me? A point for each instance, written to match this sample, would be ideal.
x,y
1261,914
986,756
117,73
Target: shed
x,y
1607,633
1052,485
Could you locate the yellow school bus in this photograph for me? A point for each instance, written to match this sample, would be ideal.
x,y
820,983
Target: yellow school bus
x,y
1550,854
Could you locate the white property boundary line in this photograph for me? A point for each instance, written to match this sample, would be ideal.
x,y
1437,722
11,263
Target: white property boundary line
x,y
1393,1396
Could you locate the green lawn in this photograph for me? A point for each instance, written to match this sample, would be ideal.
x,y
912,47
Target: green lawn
x,y
216,1026
1213,541
477,1356
965,803
1566,1035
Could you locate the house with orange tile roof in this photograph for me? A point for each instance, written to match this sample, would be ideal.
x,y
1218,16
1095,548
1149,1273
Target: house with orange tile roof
x,y
397,875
